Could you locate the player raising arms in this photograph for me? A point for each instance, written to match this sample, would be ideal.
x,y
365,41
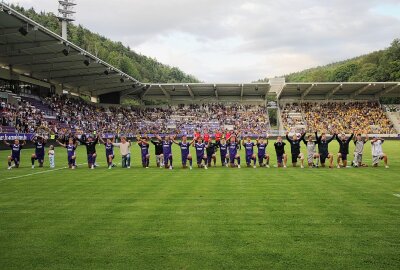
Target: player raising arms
x,y
185,152
144,150
323,148
223,149
343,149
109,151
167,150
377,152
71,147
211,149
90,149
15,157
359,149
311,151
262,152
295,149
280,152
250,156
233,147
200,154
39,143
125,150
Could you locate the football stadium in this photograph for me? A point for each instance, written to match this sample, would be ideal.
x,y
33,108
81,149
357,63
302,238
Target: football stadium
x,y
105,168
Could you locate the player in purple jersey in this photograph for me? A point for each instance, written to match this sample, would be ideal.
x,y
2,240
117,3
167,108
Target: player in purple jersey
x,y
71,147
200,147
250,156
223,148
167,150
233,147
262,152
144,150
39,154
15,157
185,152
108,144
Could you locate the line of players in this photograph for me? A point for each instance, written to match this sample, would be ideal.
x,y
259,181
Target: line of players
x,y
206,151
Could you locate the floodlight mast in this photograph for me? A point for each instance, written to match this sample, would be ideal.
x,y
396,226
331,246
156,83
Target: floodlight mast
x,y
66,14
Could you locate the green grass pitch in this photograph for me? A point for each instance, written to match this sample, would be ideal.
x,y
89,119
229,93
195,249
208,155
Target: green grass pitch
x,y
216,219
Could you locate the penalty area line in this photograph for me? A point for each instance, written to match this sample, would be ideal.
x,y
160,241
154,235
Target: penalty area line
x,y
35,173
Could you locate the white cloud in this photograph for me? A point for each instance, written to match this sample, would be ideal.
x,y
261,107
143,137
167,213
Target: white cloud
x,y
240,41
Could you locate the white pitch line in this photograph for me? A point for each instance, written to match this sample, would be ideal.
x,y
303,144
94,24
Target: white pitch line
x,y
30,174
397,195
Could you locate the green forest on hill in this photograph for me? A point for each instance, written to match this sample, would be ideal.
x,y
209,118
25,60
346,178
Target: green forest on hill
x,y
142,68
378,66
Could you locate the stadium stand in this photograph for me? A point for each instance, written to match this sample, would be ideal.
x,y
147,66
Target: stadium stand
x,y
79,116
367,116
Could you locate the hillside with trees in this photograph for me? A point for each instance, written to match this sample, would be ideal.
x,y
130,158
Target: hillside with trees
x,y
378,66
143,68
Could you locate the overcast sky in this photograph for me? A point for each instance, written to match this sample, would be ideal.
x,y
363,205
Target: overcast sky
x,y
240,41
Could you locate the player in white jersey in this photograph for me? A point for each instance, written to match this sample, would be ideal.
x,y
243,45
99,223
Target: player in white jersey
x,y
311,151
358,150
377,152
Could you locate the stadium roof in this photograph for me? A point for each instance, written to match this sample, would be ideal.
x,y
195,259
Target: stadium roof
x,y
31,49
337,90
206,91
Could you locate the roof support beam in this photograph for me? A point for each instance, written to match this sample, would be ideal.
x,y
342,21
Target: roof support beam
x,y
145,92
46,67
190,91
70,72
305,93
360,91
81,77
12,48
38,58
102,81
241,91
333,91
387,90
165,92
133,90
216,91
99,92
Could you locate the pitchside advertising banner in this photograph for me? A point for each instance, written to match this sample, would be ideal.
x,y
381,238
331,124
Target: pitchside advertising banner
x,y
17,136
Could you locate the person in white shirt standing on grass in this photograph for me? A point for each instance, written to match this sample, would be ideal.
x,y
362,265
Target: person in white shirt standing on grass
x,y
125,150
377,152
51,154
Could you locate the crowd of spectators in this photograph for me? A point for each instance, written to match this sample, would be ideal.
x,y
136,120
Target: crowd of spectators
x,y
21,117
365,116
76,115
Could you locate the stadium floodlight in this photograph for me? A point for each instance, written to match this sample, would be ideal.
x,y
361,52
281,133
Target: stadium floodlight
x,y
65,51
65,15
23,31
86,62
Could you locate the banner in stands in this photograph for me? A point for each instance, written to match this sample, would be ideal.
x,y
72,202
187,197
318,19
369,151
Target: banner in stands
x,y
15,136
